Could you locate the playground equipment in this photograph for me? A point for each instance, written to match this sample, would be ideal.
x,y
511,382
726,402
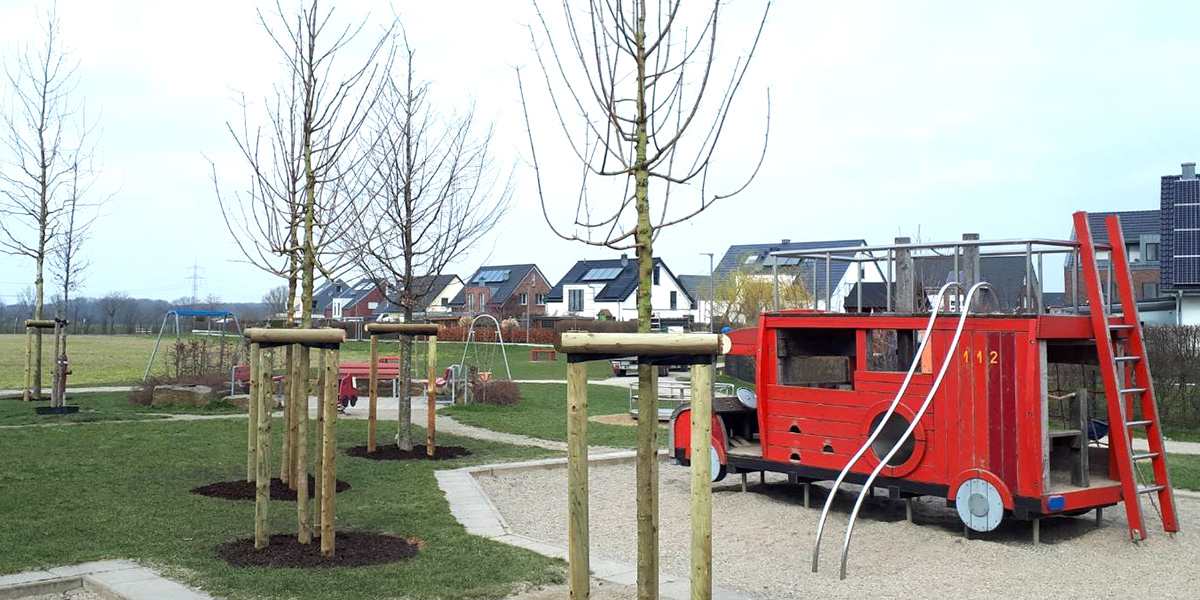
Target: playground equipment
x,y
58,389
697,350
410,330
208,314
263,343
971,420
462,365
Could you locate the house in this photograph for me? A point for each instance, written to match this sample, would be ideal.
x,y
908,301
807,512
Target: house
x,y
700,288
756,259
435,294
1142,231
503,291
1006,274
341,300
596,289
1179,199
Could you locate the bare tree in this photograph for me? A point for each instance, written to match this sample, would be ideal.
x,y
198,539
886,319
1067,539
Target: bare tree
x,y
113,304
433,188
38,137
277,299
638,80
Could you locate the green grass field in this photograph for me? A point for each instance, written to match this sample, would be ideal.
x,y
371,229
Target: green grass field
x,y
74,494
108,406
542,413
99,360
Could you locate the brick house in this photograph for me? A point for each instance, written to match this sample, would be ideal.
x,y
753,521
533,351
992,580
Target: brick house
x,y
504,291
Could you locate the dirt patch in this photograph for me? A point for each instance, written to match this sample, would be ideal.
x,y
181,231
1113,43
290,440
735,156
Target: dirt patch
x,y
391,452
622,419
352,549
245,490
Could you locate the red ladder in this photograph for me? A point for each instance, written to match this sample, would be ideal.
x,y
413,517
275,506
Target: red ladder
x,y
1126,378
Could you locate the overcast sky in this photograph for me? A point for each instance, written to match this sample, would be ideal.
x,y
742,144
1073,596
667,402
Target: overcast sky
x,y
999,118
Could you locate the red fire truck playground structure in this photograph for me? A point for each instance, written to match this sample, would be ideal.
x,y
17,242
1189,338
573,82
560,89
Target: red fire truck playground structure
x,y
973,420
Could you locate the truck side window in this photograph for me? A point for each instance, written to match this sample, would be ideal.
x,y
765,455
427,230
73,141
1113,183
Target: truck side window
x,y
822,358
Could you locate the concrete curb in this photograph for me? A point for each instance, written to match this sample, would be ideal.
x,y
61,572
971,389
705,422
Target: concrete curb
x,y
472,507
111,579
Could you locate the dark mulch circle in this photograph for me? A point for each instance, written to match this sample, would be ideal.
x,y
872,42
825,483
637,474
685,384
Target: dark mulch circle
x,y
391,452
352,549
245,490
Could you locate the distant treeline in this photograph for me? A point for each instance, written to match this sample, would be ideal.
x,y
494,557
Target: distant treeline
x,y
118,313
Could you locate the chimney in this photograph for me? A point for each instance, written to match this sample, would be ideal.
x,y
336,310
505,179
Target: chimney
x,y
1189,171
787,241
624,260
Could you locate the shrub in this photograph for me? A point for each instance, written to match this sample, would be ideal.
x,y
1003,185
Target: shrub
x,y
499,392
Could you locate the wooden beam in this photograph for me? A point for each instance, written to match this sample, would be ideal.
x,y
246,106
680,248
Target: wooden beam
x,y
252,410
577,482
402,328
262,486
431,379
373,392
300,476
644,344
647,483
702,381
305,337
39,323
329,454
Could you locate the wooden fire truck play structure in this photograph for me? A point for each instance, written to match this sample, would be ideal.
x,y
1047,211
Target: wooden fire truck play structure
x,y
970,421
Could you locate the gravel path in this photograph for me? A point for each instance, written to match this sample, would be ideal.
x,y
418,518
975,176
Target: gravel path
x,y
762,542
79,594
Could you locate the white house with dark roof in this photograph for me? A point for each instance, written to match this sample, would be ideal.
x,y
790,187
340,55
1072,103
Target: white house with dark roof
x,y
591,287
756,259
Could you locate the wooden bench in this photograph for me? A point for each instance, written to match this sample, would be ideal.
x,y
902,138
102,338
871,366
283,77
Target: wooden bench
x,y
542,355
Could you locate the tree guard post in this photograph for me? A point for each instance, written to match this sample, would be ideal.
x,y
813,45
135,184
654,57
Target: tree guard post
x,y
647,481
373,394
431,385
252,408
289,394
406,331
652,349
262,485
318,451
329,454
28,363
701,405
300,475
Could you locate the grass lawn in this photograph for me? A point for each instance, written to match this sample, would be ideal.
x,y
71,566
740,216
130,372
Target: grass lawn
x,y
74,494
542,413
99,360
105,406
1184,469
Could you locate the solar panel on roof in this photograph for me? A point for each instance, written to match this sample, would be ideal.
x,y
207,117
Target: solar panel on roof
x,y
601,274
492,276
1186,246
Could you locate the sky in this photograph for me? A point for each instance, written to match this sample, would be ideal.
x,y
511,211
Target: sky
x,y
925,119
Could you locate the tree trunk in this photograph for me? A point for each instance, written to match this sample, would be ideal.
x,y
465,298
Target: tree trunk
x,y
404,423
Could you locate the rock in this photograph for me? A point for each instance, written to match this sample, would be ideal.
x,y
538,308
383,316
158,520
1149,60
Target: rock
x,y
181,395
242,401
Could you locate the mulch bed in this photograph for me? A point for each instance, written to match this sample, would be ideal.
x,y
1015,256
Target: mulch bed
x,y
391,452
245,490
351,549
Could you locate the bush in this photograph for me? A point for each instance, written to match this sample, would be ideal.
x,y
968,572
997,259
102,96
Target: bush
x,y
499,392
516,335
1174,354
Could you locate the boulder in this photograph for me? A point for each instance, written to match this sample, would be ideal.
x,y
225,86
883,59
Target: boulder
x,y
181,395
242,401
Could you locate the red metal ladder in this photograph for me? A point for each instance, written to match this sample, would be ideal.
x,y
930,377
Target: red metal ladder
x,y
1126,378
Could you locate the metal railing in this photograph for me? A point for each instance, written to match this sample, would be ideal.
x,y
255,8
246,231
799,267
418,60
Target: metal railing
x,y
673,394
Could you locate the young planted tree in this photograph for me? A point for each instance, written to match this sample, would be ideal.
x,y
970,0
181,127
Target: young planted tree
x,y
39,139
634,90
433,188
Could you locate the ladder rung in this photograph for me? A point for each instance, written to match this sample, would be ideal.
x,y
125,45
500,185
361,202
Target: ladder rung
x,y
1120,327
1132,390
1128,358
1141,423
1146,489
1145,456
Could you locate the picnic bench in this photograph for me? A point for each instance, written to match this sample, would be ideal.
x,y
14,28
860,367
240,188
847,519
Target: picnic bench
x,y
542,355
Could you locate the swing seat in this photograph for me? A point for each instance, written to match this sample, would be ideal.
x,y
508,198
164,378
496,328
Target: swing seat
x,y
485,375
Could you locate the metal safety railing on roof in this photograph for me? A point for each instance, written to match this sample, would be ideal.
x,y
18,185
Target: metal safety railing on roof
x,y
966,255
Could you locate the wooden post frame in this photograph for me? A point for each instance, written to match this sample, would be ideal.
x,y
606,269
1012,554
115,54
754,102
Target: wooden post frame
x,y
431,389
652,349
404,330
299,342
33,328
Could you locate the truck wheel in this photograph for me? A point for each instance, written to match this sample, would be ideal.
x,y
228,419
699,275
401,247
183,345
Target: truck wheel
x,y
620,372
716,469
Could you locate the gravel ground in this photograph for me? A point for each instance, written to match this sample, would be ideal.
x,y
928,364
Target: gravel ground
x,y
600,591
762,542
71,595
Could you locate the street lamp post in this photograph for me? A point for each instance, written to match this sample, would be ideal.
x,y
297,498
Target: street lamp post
x,y
712,301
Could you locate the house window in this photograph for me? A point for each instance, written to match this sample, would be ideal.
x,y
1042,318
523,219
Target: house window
x,y
575,300
656,270
674,300
522,299
541,299
445,301
1150,252
1149,291
372,305
337,308
471,302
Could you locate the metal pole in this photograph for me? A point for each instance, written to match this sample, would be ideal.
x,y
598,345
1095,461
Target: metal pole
x,y
1108,280
816,306
860,286
1028,276
1075,279
775,276
828,285
1041,275
888,281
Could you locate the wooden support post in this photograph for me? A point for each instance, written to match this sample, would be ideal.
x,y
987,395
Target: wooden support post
x,y
1099,516
373,393
431,427
1037,531
318,489
647,482
743,481
289,395
908,510
300,475
252,408
329,454
262,486
702,382
807,494
577,482
28,365
56,366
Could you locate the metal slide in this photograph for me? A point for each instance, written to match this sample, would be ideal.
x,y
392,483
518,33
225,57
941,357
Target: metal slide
x,y
937,382
916,362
